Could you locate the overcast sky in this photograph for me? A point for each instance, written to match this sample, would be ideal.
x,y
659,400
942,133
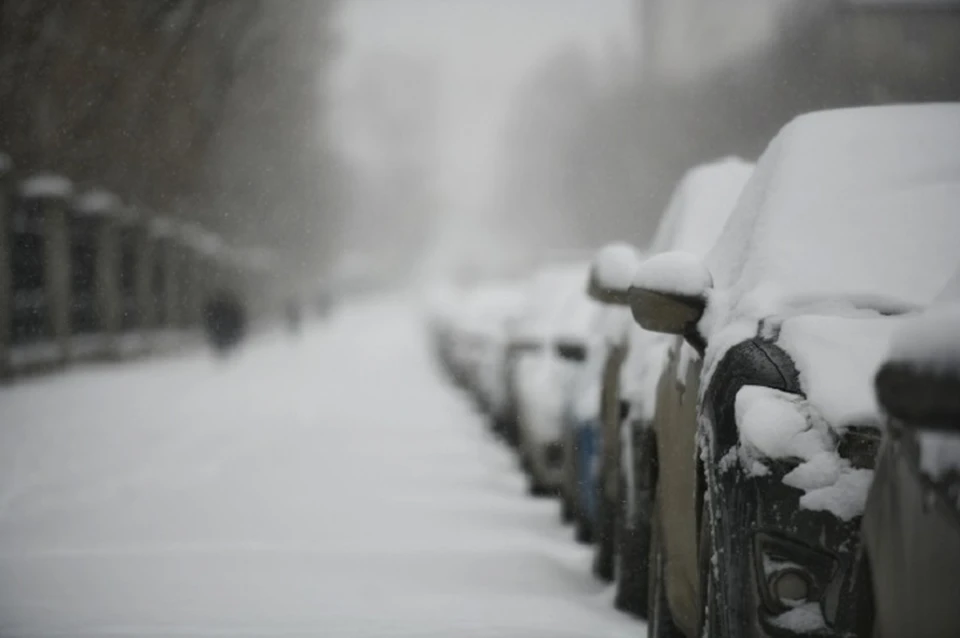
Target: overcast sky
x,y
482,49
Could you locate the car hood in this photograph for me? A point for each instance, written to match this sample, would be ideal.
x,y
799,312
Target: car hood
x,y
837,358
809,427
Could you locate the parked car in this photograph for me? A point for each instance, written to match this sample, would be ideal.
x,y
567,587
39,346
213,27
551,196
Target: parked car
x,y
487,311
557,306
911,525
697,212
610,275
766,451
580,424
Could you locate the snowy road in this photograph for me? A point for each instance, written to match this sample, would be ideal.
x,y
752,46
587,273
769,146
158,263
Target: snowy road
x,y
326,486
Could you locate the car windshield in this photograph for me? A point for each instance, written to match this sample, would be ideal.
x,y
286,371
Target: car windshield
x,y
849,203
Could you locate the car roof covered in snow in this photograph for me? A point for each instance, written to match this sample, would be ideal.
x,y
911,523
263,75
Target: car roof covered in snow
x,y
700,205
860,201
549,293
699,208
485,308
849,212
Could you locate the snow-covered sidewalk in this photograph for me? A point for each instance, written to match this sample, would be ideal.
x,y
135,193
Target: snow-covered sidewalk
x,y
329,485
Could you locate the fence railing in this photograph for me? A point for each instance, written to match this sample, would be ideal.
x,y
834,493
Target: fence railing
x,y
83,276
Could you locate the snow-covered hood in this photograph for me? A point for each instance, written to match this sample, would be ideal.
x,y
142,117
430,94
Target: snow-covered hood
x,y
836,357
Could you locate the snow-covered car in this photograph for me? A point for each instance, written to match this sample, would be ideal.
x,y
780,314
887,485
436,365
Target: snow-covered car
x,y
700,206
582,422
543,380
911,525
766,455
482,337
468,334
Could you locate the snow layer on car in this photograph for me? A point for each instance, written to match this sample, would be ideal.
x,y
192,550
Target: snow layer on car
x,y
837,207
700,205
546,295
838,218
677,272
775,424
556,305
698,209
615,264
837,358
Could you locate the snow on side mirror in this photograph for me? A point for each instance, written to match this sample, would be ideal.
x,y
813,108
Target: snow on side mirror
x,y
669,293
611,272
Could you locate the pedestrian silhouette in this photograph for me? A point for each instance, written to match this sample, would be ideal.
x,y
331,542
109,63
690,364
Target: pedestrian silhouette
x,y
225,320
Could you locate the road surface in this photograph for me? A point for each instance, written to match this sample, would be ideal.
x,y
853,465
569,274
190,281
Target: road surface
x,y
327,485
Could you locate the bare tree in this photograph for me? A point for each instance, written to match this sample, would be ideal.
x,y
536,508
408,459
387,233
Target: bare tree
x,y
155,99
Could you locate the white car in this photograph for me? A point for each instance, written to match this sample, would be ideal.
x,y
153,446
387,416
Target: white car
x,y
557,306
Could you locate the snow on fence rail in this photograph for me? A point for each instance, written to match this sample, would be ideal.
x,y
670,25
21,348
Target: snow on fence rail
x,y
82,276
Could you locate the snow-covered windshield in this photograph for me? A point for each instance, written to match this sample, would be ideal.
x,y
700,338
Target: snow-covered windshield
x,y
548,295
700,206
850,202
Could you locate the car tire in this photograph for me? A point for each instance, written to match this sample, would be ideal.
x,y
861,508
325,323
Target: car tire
x,y
660,624
604,555
566,508
568,484
633,571
709,622
536,488
583,531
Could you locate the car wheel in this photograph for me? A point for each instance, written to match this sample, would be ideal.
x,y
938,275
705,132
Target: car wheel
x,y
660,623
583,531
604,554
535,487
566,508
568,485
709,619
633,571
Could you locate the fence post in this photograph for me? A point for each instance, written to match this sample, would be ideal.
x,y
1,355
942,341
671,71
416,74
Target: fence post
x,y
52,193
200,252
149,260
105,209
6,278
163,279
173,268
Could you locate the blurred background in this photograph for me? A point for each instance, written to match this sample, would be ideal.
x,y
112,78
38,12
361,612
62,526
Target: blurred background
x,y
387,141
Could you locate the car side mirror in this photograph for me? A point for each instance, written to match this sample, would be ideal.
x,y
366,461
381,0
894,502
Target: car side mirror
x,y
926,399
669,294
611,272
569,350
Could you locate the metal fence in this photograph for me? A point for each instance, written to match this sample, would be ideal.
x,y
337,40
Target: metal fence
x,y
84,276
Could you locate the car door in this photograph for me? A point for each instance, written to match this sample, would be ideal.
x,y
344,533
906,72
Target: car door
x,y
675,423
